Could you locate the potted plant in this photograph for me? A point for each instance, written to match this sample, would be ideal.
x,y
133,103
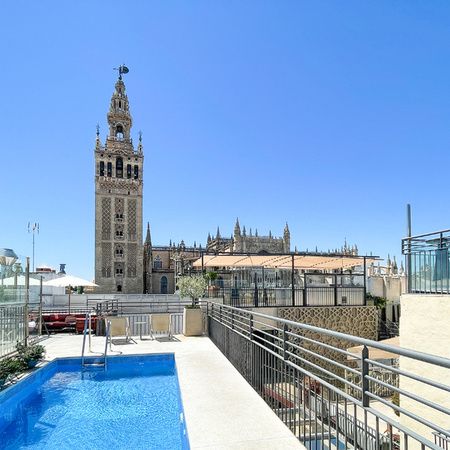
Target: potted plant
x,y
212,288
9,367
30,355
193,287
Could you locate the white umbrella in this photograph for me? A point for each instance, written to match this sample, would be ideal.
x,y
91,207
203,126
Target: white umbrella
x,y
69,280
10,281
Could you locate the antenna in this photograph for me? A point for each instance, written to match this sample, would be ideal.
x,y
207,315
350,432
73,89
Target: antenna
x,y
33,228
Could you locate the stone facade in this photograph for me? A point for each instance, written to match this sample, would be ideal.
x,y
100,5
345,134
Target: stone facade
x,y
243,242
118,202
359,321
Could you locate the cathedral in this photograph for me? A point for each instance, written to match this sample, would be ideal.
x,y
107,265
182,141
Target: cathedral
x,y
124,262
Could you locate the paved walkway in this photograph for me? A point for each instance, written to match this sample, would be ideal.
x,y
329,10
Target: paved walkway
x,y
222,410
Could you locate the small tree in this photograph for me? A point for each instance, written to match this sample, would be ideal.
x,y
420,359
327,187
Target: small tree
x,y
193,287
211,277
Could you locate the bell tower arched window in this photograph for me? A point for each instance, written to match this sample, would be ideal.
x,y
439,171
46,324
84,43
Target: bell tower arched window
x,y
128,170
119,167
136,172
119,132
102,169
109,169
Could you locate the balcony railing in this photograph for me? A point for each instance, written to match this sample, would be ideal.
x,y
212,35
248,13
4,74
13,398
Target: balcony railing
x,y
250,297
427,262
328,396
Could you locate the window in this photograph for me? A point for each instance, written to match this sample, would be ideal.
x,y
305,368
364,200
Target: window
x,y
119,288
119,167
119,216
119,252
128,170
109,169
119,132
119,231
136,172
163,285
119,271
102,169
157,263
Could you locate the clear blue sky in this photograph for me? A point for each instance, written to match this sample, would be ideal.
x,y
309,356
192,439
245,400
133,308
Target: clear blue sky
x,y
330,115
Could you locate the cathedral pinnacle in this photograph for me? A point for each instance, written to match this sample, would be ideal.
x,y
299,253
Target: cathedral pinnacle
x,y
148,239
237,228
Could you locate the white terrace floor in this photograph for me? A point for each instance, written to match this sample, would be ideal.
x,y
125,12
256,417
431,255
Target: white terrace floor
x,y
222,411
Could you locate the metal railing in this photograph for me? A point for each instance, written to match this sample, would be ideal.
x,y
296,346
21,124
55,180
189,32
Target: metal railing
x,y
442,441
248,297
138,313
12,327
327,395
428,262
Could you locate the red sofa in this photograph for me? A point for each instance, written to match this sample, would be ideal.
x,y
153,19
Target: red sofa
x,y
66,322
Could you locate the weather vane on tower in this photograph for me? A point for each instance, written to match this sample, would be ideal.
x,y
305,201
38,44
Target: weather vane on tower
x,y
122,70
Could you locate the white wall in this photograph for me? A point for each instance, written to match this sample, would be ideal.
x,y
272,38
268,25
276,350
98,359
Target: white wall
x,y
425,327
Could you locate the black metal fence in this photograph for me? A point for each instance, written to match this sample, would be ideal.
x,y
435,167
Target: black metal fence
x,y
427,262
330,397
250,297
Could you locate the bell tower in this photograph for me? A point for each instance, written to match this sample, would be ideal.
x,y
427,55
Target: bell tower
x,y
118,201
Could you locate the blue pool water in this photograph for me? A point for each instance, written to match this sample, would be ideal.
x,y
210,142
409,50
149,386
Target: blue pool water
x,y
317,444
134,404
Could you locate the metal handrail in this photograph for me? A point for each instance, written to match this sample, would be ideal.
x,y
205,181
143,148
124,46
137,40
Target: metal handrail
x,y
107,336
284,350
87,330
84,339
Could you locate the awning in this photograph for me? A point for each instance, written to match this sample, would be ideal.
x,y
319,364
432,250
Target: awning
x,y
305,262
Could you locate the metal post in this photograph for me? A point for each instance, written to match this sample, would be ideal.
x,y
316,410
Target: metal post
x,y
408,250
292,279
364,375
365,281
305,292
27,299
40,306
335,290
284,340
251,327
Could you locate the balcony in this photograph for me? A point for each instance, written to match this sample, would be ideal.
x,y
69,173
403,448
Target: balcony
x,y
427,262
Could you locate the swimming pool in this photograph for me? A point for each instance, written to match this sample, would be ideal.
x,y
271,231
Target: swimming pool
x,y
134,404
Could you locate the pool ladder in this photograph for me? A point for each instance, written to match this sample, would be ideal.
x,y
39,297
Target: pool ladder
x,y
93,362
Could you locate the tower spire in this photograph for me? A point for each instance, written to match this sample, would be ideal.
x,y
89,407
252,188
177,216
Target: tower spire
x,y
148,239
237,228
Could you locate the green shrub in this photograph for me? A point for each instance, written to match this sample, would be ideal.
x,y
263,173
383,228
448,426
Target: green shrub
x,y
30,353
9,367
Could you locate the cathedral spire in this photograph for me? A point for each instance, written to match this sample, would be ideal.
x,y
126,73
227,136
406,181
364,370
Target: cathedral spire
x,y
237,228
148,239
